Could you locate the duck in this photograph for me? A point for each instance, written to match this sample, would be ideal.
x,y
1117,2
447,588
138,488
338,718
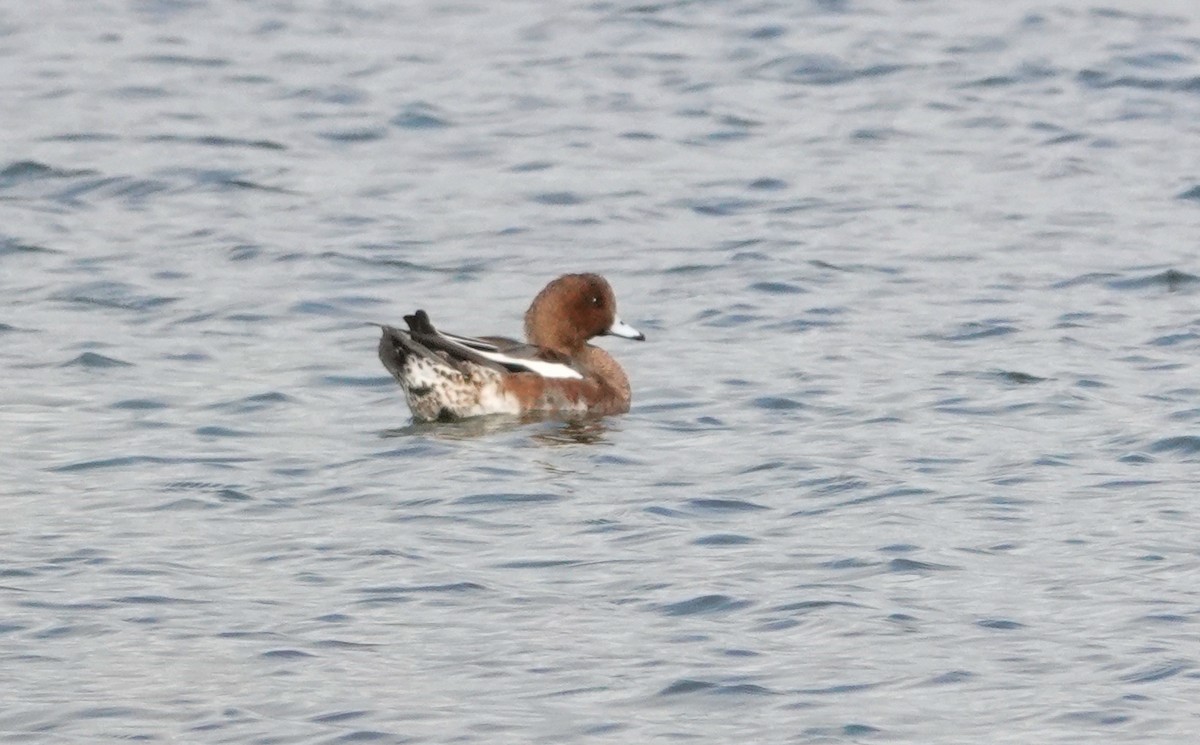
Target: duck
x,y
556,371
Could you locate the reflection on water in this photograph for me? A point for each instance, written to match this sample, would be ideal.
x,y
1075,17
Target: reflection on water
x,y
545,429
584,431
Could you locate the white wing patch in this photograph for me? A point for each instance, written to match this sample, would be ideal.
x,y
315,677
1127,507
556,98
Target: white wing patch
x,y
541,367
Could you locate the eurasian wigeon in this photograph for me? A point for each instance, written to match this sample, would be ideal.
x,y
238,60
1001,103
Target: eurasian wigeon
x,y
446,377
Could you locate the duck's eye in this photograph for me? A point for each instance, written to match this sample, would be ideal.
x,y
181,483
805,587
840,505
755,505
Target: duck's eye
x,y
595,300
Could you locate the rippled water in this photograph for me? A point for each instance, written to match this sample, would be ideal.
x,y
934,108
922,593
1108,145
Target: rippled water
x,y
914,444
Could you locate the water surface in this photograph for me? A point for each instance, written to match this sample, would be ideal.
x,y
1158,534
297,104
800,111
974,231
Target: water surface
x,y
914,444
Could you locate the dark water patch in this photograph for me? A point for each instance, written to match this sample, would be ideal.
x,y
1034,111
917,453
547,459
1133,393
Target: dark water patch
x,y
1024,73
718,207
895,493
184,505
139,404
767,184
420,116
1135,484
1057,461
1090,278
1155,60
254,403
740,653
1102,80
722,136
1166,617
720,319
818,69
531,166
1170,280
464,269
338,716
1158,672
364,735
837,690
805,204
912,566
118,295
140,92
768,466
1171,340
725,505
245,252
109,712
66,631
1064,139
1188,445
1186,415
1016,378
232,495
315,308
339,95
744,689
538,564
604,728
686,685
354,135
665,511
953,677
849,562
1192,194
558,198
218,141
704,605
833,485
1095,717
764,33
227,181
778,288
183,60
975,331
450,588
723,539
837,734
999,624
777,403
14,247
688,269
25,171
285,654
132,190
96,361
154,600
502,498
809,606
218,431
953,406
81,137
133,460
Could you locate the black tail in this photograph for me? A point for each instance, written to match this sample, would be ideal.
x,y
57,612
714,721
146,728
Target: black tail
x,y
419,323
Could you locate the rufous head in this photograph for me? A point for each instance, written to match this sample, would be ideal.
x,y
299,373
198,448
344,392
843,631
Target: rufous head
x,y
572,309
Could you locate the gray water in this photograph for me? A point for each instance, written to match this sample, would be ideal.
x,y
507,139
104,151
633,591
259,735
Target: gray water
x,y
915,436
